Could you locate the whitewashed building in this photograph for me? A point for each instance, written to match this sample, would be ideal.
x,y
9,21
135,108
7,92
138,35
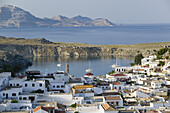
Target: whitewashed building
x,y
11,92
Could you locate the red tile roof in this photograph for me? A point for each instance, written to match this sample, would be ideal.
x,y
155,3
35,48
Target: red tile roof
x,y
113,98
119,74
107,107
49,108
88,74
38,108
21,77
116,83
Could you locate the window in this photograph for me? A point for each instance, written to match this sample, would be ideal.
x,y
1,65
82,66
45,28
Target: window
x,y
53,86
13,94
40,85
33,85
26,85
117,103
19,93
119,88
20,98
58,86
24,98
62,86
3,94
10,84
17,84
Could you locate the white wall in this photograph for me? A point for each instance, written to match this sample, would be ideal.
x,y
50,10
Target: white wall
x,y
30,88
10,92
57,86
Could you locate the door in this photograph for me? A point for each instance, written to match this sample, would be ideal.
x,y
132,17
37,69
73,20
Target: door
x,y
6,96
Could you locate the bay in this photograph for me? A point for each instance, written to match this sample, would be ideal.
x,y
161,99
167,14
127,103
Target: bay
x,y
126,34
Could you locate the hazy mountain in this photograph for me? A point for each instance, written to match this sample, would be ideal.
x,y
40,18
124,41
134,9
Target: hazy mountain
x,y
11,16
82,19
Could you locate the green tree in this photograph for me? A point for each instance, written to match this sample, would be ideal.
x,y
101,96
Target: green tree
x,y
161,51
161,63
138,59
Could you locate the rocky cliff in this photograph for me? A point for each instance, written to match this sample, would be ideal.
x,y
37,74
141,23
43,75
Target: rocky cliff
x,y
13,62
43,47
14,17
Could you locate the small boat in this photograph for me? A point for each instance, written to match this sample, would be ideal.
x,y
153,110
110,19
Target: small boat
x,y
88,70
115,65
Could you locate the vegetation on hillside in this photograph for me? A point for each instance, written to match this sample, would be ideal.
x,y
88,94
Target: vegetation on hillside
x,y
162,52
42,41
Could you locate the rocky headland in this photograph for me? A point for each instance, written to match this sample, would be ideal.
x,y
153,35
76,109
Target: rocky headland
x,y
11,62
43,47
15,17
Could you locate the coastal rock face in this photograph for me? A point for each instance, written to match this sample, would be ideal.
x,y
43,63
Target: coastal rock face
x,y
44,50
14,60
43,47
14,17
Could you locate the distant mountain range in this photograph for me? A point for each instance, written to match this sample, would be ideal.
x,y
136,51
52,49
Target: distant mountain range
x,y
14,17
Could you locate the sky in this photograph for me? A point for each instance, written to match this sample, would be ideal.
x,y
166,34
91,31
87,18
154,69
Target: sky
x,y
117,11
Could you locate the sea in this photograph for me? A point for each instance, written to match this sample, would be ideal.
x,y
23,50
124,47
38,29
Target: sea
x,y
123,34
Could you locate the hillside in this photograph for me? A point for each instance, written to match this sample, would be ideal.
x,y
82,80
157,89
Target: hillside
x,y
14,17
43,47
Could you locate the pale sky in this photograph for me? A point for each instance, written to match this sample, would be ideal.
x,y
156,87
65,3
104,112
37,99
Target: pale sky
x,y
117,11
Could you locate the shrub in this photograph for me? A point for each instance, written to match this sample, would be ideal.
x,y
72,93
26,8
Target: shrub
x,y
14,101
132,64
111,72
74,105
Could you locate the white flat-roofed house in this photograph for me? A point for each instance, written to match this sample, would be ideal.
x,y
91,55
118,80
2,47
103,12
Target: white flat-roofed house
x,y
61,76
28,96
141,79
56,86
4,79
11,92
28,85
148,60
114,100
156,84
114,77
17,81
120,69
105,86
153,64
34,85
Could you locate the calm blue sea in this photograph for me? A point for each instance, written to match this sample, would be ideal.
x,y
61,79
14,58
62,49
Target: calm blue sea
x,y
96,35
127,34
